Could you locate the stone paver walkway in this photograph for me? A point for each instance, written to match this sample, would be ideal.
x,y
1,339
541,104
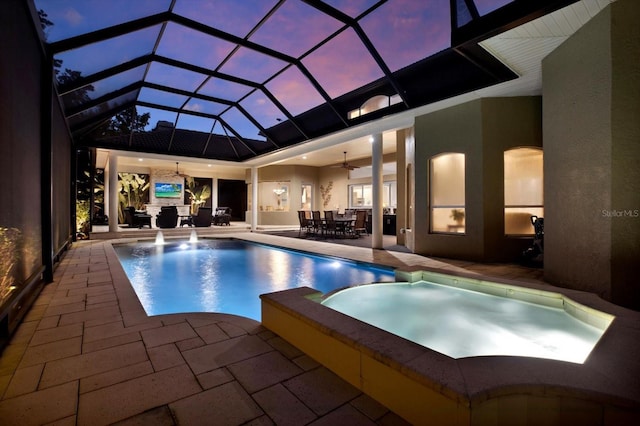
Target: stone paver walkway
x,y
87,354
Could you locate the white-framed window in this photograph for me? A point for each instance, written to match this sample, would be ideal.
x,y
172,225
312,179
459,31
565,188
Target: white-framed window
x,y
361,195
523,189
447,193
306,200
374,103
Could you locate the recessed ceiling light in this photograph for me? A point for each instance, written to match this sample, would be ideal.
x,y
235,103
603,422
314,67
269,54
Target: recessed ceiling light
x,y
371,139
304,157
140,159
208,165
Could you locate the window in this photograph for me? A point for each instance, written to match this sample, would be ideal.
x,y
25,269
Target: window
x,y
361,196
306,197
447,193
523,189
374,104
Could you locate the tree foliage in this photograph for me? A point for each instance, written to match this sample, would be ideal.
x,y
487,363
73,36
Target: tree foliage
x,y
122,123
198,194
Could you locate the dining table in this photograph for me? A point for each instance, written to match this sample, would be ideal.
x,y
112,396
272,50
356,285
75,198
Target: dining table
x,y
343,224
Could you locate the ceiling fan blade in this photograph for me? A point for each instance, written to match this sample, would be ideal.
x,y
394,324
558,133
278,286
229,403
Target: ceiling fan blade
x,y
344,164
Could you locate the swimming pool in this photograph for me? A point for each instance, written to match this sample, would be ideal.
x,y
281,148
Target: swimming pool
x,y
227,275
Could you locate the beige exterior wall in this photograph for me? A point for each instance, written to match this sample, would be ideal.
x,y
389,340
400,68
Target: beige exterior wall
x,y
294,176
591,92
482,130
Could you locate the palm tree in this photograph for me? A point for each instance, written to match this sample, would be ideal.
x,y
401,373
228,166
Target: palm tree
x,y
198,195
132,190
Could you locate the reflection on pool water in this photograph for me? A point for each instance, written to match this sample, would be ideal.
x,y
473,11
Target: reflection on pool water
x,y
462,323
225,275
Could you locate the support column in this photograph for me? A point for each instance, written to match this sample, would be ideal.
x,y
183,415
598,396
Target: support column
x,y
254,198
214,194
113,192
376,187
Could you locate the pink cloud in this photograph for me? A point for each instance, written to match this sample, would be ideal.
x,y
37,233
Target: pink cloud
x,y
406,31
294,91
343,64
73,17
352,8
295,28
194,47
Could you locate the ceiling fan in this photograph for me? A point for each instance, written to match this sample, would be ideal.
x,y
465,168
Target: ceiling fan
x,y
178,172
345,165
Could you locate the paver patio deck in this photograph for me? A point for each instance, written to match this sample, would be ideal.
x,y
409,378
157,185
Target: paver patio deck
x,y
87,354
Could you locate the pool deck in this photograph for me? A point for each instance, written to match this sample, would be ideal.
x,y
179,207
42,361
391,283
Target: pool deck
x,y
86,353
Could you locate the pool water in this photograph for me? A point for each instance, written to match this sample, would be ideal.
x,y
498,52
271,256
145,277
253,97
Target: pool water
x,y
462,323
226,275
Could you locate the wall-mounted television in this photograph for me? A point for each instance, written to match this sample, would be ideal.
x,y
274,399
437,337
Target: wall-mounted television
x,y
168,190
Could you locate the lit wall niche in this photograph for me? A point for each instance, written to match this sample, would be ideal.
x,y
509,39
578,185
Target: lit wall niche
x,y
273,196
447,193
523,189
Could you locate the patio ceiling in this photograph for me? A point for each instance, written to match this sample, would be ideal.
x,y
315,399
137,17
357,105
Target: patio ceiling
x,y
233,80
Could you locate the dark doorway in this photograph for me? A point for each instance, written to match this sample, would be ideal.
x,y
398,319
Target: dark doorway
x,y
233,193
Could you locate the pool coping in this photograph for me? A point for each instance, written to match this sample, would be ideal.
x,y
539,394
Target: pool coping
x,y
467,389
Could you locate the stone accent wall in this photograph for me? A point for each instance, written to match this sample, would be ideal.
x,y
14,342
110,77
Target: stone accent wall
x,y
165,176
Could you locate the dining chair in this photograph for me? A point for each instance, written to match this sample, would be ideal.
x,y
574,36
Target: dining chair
x,y
306,224
330,222
361,222
317,221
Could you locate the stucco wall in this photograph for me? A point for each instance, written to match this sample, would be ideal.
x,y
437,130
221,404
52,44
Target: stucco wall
x,y
591,88
507,123
457,129
294,176
20,143
482,130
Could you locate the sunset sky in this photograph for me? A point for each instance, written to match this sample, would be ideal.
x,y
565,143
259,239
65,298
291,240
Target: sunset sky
x,y
401,31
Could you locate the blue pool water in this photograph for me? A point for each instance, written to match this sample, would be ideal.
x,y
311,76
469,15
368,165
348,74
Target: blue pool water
x,y
225,275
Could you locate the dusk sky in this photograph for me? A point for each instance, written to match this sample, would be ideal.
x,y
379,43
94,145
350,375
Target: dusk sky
x,y
402,32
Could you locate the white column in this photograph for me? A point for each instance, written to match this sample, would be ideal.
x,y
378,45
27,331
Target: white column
x,y
214,194
254,198
376,187
113,192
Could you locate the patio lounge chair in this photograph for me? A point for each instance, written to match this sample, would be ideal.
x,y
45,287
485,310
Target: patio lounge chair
x,y
168,217
203,218
222,216
136,219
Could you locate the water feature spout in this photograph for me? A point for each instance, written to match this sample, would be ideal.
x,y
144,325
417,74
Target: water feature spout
x,y
194,236
159,238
